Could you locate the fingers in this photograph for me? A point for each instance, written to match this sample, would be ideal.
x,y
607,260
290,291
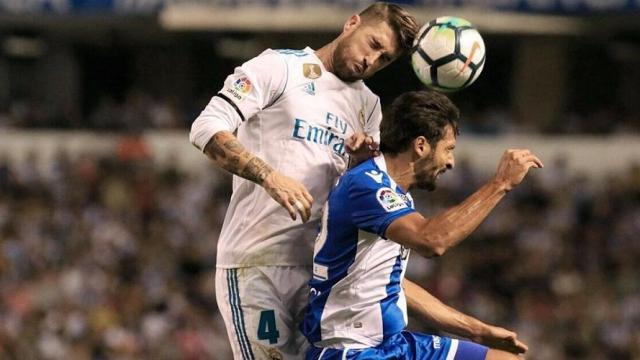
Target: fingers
x,y
534,159
304,208
520,346
290,209
513,344
355,141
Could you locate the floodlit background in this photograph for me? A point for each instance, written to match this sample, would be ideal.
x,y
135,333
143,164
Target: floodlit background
x,y
109,218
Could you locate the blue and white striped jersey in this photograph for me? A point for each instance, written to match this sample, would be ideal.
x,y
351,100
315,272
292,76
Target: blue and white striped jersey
x,y
356,299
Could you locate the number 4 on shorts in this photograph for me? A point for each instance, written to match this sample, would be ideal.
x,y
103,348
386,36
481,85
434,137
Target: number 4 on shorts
x,y
267,329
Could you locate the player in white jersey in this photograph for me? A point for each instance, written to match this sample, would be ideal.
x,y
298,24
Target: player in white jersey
x,y
358,294
298,114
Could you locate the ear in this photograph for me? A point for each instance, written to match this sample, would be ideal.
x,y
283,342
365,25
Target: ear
x,y
351,23
421,146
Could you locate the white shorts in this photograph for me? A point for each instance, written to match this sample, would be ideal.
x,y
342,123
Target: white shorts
x,y
262,308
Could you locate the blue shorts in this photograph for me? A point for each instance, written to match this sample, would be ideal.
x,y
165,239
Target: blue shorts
x,y
406,345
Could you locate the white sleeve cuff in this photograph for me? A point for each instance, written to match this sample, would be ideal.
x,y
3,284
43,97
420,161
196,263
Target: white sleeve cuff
x,y
217,116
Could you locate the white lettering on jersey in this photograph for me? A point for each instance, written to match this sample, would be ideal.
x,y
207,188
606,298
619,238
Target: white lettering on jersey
x,y
390,200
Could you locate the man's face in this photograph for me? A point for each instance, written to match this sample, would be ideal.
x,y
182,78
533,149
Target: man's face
x,y
440,159
364,49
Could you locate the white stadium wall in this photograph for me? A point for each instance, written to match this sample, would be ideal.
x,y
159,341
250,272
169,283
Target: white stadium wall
x,y
597,156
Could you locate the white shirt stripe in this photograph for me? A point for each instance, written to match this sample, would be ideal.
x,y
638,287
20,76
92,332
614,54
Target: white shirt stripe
x,y
453,349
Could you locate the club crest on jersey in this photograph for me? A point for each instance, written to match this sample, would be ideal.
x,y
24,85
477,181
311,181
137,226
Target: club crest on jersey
x,y
390,200
361,117
311,71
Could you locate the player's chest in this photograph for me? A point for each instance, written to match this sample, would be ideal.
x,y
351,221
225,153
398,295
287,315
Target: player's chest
x,y
336,108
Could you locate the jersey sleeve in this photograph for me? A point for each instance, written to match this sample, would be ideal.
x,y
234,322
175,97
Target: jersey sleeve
x,y
252,87
375,206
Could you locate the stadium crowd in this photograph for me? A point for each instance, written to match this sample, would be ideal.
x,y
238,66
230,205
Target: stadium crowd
x,y
139,110
112,257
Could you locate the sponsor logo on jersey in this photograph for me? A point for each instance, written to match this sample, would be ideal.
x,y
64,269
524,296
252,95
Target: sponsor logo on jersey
x,y
332,134
375,175
309,88
390,200
311,71
240,88
436,342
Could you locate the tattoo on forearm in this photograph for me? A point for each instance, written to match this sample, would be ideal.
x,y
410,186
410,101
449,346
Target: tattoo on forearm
x,y
256,170
214,149
231,155
234,146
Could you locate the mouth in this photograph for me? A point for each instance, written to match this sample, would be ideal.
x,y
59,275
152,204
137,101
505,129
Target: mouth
x,y
359,69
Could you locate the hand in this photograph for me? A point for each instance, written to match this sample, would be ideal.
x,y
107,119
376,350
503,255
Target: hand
x,y
501,339
290,194
514,165
361,147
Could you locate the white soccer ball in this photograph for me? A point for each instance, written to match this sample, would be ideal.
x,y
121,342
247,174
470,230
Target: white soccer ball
x,y
449,54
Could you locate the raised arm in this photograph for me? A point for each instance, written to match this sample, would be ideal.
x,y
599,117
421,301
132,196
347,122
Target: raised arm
x,y
251,88
442,317
433,236
227,152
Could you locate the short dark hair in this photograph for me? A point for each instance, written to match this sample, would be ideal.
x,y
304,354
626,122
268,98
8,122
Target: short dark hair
x,y
413,114
403,24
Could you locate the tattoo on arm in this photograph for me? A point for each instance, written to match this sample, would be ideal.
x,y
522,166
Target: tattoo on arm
x,y
256,170
229,154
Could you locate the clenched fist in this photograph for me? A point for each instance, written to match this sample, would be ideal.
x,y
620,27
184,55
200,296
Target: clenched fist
x,y
514,165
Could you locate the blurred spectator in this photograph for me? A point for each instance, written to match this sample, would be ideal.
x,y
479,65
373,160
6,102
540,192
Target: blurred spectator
x,y
113,257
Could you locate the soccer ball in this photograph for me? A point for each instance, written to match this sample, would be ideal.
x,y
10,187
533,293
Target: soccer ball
x,y
449,54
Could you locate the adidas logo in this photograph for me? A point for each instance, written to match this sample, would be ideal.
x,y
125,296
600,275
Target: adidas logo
x,y
309,88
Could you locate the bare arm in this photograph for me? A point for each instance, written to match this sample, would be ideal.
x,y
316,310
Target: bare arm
x,y
433,236
227,152
442,317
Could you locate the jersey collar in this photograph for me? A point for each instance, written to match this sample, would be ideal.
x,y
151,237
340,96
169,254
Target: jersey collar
x,y
382,166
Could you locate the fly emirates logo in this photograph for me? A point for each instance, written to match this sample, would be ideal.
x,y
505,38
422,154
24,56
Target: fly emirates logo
x,y
331,134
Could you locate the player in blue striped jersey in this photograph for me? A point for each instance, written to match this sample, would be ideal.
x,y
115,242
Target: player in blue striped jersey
x,y
358,295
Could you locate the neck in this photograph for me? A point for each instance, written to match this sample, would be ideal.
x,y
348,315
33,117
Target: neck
x,y
400,169
325,54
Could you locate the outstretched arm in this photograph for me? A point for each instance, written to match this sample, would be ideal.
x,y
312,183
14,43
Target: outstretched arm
x,y
442,317
227,152
433,236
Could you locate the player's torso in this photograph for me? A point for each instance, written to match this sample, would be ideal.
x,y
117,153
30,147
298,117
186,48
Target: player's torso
x,y
303,136
303,132
355,293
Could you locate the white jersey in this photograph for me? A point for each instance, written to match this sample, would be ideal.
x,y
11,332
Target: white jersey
x,y
296,116
356,298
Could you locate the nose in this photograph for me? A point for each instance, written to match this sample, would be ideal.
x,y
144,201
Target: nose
x,y
451,163
365,64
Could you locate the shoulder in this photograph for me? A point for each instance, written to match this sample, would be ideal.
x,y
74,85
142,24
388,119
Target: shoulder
x,y
366,177
288,55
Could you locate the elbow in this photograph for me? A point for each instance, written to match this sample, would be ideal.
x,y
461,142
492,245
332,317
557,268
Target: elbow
x,y
433,246
193,133
432,252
